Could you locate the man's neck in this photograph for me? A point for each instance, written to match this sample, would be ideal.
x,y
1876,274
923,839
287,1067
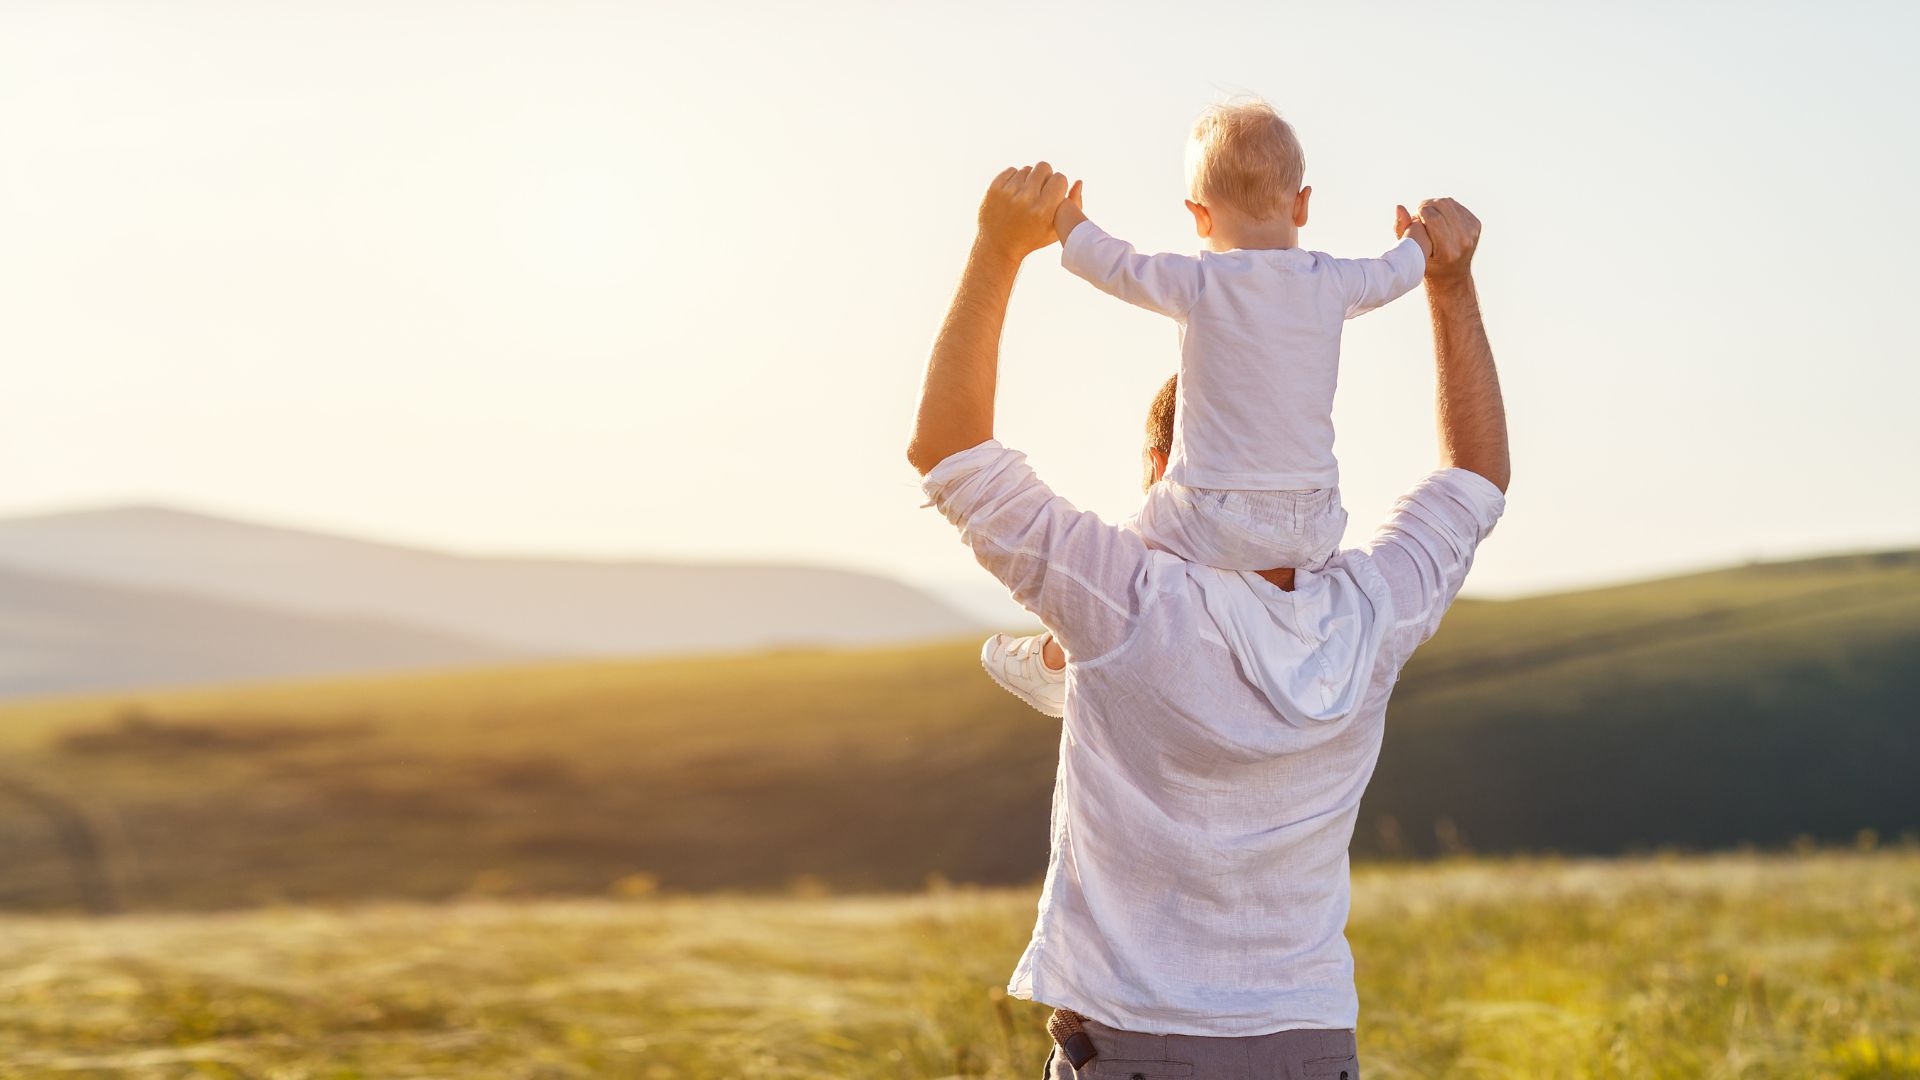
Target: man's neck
x,y
1280,578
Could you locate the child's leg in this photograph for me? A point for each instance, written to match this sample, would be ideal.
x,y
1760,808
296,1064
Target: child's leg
x,y
1052,655
1323,522
1231,530
1243,530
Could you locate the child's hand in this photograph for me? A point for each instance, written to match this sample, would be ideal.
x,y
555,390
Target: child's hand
x,y
1069,215
1405,225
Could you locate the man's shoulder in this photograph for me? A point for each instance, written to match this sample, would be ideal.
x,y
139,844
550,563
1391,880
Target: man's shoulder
x,y
1422,553
1453,509
1457,492
1164,571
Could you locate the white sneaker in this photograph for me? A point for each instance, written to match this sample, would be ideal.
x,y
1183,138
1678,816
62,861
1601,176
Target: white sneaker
x,y
1016,663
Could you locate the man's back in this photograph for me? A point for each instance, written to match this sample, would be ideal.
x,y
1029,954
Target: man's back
x,y
1219,735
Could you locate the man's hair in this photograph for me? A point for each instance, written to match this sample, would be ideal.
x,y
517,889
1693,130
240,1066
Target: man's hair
x,y
1160,417
1242,154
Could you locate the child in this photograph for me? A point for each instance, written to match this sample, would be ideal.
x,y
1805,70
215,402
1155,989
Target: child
x,y
1251,483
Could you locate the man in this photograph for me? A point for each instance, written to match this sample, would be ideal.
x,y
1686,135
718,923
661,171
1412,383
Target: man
x,y
1220,726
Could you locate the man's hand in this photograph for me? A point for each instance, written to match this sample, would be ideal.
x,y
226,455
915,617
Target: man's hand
x,y
1016,216
1405,225
1455,233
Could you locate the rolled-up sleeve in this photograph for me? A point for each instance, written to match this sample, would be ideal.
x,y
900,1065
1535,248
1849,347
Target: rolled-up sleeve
x,y
1083,578
1426,547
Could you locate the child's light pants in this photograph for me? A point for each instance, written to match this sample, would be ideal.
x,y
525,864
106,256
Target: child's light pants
x,y
1243,530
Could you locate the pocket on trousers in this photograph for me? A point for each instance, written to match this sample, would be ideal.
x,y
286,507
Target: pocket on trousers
x,y
1122,1069
1331,1068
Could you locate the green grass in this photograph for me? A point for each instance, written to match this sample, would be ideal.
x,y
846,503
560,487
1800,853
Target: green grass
x,y
745,771
1801,966
1752,705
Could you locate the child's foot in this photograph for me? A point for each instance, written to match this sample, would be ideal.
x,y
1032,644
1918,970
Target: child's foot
x,y
1019,665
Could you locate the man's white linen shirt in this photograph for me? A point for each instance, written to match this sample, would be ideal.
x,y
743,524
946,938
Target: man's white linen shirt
x,y
1218,735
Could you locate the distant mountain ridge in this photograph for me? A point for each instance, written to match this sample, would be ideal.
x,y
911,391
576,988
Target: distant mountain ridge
x,y
60,637
509,605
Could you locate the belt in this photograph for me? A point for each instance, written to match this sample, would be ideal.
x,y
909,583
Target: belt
x,y
1069,1034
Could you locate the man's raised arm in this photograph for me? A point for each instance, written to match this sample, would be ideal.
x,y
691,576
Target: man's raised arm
x,y
1427,544
1473,418
956,399
1082,577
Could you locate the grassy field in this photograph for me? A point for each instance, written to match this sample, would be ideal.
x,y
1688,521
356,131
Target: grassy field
x,y
1802,966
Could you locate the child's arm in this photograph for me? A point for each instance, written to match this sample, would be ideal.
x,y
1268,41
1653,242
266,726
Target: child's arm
x,y
1370,283
1168,284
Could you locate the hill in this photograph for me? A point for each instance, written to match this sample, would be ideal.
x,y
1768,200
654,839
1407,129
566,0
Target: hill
x,y
554,607
61,637
1752,705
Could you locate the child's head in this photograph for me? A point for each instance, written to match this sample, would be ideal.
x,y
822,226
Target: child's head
x,y
1245,162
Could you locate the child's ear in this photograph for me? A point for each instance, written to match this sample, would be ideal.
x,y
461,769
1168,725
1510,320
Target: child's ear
x,y
1300,207
1202,219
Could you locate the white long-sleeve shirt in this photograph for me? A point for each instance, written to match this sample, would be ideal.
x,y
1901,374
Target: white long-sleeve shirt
x,y
1259,349
1218,735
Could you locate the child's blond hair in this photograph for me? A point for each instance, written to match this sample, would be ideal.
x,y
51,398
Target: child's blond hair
x,y
1244,155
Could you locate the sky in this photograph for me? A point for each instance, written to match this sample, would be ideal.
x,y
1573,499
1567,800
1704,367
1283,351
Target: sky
x,y
658,281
